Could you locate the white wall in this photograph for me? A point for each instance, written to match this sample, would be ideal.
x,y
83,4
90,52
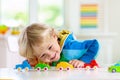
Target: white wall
x,y
9,57
114,24
2,52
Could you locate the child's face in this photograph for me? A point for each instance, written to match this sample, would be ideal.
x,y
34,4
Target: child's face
x,y
50,51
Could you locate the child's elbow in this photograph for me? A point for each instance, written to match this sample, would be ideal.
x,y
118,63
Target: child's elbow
x,y
96,45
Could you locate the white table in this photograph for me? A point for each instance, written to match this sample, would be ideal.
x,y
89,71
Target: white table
x,y
76,74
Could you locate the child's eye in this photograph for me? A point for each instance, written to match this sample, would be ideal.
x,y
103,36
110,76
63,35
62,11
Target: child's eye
x,y
43,55
50,47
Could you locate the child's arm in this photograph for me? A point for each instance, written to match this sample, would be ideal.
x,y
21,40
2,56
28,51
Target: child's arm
x,y
89,47
92,49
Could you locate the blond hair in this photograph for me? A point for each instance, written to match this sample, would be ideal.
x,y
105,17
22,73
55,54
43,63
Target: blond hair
x,y
33,35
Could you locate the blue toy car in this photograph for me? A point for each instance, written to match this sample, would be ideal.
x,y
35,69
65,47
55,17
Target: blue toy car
x,y
24,66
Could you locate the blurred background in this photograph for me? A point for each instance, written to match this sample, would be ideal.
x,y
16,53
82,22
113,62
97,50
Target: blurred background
x,y
87,19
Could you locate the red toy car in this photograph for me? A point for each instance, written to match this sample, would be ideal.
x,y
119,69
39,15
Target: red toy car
x,y
92,65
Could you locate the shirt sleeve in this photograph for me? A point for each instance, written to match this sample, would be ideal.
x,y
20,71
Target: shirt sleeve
x,y
91,52
90,46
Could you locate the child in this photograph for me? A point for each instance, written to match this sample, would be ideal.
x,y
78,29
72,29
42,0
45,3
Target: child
x,y
41,43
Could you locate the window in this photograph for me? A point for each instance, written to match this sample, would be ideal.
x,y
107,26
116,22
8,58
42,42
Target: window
x,y
14,13
24,12
51,12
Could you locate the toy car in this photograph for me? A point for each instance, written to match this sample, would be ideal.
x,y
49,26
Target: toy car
x,y
114,68
64,66
42,66
92,65
24,66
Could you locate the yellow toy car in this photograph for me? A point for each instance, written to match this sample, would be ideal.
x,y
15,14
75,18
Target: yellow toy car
x,y
64,66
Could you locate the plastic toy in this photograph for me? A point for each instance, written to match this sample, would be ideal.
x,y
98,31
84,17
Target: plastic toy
x,y
64,66
3,29
92,65
114,68
24,66
15,31
42,66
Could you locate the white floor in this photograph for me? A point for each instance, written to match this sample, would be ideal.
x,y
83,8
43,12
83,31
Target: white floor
x,y
76,74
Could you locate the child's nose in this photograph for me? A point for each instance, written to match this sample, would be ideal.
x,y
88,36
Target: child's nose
x,y
49,53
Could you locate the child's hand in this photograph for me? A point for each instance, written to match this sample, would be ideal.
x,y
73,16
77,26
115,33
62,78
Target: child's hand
x,y
77,63
32,62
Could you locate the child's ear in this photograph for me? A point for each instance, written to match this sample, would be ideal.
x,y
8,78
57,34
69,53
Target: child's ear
x,y
54,33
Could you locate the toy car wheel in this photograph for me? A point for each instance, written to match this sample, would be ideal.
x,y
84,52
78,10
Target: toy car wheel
x,y
61,68
87,67
19,69
113,70
38,68
95,67
68,68
45,69
26,69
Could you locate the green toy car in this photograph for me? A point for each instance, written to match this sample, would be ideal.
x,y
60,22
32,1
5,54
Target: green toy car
x,y
42,66
114,68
